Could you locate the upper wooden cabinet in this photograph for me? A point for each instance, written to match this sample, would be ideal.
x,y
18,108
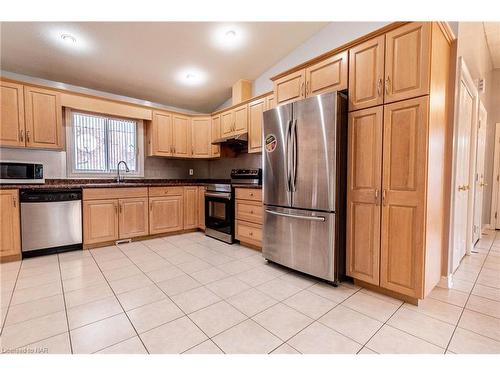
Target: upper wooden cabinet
x,y
31,117
234,121
364,181
407,61
201,130
12,114
327,75
215,149
366,74
270,101
181,126
10,232
160,135
324,76
255,123
43,118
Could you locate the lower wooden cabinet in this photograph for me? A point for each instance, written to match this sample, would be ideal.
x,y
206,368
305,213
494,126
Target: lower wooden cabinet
x,y
201,207
249,216
134,218
10,232
100,221
165,214
190,207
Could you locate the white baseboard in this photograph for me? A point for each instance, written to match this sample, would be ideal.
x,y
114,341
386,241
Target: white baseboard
x,y
446,282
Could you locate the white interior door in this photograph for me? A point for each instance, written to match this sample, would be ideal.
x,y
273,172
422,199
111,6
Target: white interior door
x,y
462,221
479,175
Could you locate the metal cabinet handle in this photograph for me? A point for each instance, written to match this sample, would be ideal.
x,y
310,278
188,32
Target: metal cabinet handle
x,y
387,83
383,197
376,197
121,208
14,201
483,184
312,218
116,208
302,89
27,135
307,88
379,87
21,135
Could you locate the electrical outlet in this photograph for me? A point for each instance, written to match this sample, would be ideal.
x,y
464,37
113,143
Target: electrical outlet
x,y
191,172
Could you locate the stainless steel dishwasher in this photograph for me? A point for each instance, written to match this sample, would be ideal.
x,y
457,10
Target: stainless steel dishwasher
x,y
51,221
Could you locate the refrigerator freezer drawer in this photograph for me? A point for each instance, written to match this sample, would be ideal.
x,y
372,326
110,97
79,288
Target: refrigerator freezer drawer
x,y
300,239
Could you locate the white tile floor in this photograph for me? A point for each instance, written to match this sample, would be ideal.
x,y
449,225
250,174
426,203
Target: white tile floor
x,y
192,294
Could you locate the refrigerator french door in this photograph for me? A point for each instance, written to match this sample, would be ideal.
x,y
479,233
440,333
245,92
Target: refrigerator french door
x,y
304,185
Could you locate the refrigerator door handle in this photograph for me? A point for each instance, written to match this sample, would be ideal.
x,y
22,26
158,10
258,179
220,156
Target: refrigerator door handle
x,y
287,155
311,218
293,136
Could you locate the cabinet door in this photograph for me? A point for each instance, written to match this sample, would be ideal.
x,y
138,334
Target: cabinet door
x,y
182,135
240,119
364,180
255,123
133,217
100,221
201,137
270,102
190,207
43,118
215,149
161,135
366,74
327,75
165,214
290,88
226,123
201,207
12,114
407,62
10,233
403,204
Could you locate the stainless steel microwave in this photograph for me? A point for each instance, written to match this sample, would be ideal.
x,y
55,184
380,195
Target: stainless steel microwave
x,y
16,172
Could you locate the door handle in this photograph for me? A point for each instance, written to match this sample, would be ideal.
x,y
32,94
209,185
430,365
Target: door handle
x,y
287,154
27,135
121,208
383,197
293,133
304,217
302,89
387,83
307,88
379,87
21,135
116,208
14,201
376,197
483,184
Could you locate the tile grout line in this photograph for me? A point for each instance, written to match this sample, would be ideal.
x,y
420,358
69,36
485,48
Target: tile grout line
x,y
470,293
10,298
65,307
114,294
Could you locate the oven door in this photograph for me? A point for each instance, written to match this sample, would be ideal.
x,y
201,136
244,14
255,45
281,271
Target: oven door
x,y
219,216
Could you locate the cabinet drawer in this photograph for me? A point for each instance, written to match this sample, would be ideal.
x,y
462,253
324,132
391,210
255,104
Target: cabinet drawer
x,y
165,191
249,194
249,232
249,211
114,193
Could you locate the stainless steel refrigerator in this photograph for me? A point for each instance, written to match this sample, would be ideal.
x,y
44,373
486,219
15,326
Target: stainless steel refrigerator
x,y
304,182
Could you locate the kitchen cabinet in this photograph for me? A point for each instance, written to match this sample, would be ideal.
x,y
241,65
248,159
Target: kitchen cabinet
x,y
201,207
133,217
226,123
364,180
10,231
407,61
160,135
215,149
12,114
366,74
234,121
166,209
327,75
30,117
324,76
270,102
201,139
249,216
43,118
100,221
181,135
256,109
190,207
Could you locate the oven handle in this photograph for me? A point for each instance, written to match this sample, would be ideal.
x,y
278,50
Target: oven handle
x,y
218,195
312,218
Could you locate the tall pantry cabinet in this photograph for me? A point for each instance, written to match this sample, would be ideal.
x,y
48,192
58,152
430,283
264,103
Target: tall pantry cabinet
x,y
398,99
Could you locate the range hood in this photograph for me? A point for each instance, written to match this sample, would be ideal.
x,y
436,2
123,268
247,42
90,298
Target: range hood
x,y
233,139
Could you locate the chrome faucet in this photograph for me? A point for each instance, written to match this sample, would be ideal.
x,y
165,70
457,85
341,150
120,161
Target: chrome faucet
x,y
118,177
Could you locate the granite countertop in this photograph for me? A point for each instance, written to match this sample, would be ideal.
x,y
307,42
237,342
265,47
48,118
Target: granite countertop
x,y
111,183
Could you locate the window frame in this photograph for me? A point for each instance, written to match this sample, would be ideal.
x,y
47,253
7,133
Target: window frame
x,y
70,147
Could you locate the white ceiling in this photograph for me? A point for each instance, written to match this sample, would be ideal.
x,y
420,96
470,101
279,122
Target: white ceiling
x,y
492,31
141,60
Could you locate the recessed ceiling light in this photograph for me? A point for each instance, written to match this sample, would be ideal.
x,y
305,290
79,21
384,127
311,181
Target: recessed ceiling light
x,y
68,38
228,37
191,77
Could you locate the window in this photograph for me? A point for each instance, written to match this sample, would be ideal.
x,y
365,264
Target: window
x,y
96,143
